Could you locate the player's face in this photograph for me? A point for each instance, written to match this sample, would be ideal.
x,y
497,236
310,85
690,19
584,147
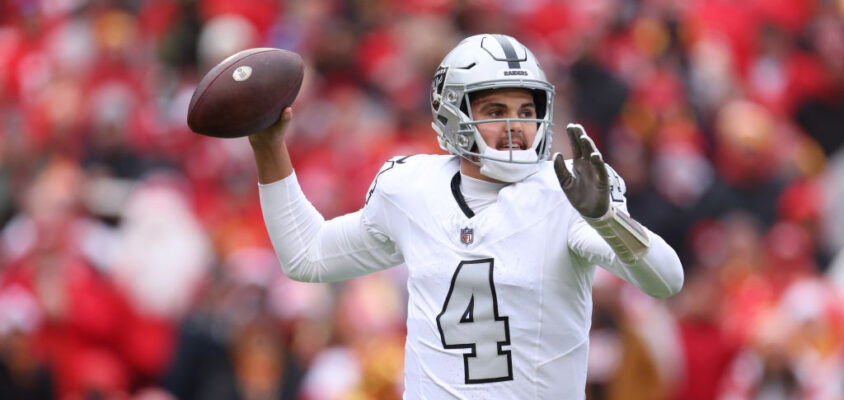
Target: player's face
x,y
505,103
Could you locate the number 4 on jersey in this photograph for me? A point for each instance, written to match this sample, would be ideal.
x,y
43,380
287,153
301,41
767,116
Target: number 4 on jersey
x,y
470,320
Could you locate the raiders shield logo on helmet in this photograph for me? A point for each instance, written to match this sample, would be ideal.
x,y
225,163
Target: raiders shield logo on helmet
x,y
437,87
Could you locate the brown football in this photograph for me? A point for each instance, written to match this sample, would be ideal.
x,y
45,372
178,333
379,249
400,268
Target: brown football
x,y
245,93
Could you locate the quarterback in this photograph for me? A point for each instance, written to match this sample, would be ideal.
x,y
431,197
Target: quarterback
x,y
501,240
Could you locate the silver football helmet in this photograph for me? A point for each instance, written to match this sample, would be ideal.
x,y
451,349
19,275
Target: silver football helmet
x,y
484,62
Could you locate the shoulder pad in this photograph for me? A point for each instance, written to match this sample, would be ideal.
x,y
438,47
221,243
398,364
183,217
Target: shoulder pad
x,y
397,169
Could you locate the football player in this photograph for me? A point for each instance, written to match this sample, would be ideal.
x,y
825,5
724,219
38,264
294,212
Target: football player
x,y
500,242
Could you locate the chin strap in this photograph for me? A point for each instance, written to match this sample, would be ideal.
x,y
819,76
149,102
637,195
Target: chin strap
x,y
624,235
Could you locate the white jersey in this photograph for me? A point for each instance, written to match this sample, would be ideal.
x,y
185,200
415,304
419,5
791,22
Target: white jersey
x,y
500,302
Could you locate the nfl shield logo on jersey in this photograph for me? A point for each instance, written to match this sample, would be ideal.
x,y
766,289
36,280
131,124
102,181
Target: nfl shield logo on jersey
x,y
467,235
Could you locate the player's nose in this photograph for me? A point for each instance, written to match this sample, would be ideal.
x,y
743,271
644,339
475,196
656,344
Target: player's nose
x,y
514,126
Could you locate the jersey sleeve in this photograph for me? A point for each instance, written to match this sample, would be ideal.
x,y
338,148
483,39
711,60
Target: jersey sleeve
x,y
311,249
658,273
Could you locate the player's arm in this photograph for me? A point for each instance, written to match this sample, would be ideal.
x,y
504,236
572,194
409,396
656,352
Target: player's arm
x,y
658,272
634,253
309,248
271,157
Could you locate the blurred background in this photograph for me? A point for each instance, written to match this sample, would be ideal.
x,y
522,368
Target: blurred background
x,y
134,263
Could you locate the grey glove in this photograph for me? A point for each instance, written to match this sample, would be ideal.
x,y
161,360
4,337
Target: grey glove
x,y
588,189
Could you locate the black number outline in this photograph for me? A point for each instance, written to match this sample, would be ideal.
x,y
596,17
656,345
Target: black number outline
x,y
496,317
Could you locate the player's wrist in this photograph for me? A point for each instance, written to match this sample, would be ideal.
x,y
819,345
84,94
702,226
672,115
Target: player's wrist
x,y
602,218
628,239
266,143
594,211
272,161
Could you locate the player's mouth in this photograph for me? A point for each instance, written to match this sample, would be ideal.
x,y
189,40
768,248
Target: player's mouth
x,y
515,145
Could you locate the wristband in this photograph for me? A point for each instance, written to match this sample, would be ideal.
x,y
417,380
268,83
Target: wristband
x,y
625,236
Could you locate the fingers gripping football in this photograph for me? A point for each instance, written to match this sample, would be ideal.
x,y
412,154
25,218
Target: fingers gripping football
x,y
588,188
274,134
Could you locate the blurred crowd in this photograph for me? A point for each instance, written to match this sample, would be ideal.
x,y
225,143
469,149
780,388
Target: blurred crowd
x,y
134,263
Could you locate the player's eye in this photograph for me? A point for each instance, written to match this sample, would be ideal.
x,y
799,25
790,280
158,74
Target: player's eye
x,y
527,113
